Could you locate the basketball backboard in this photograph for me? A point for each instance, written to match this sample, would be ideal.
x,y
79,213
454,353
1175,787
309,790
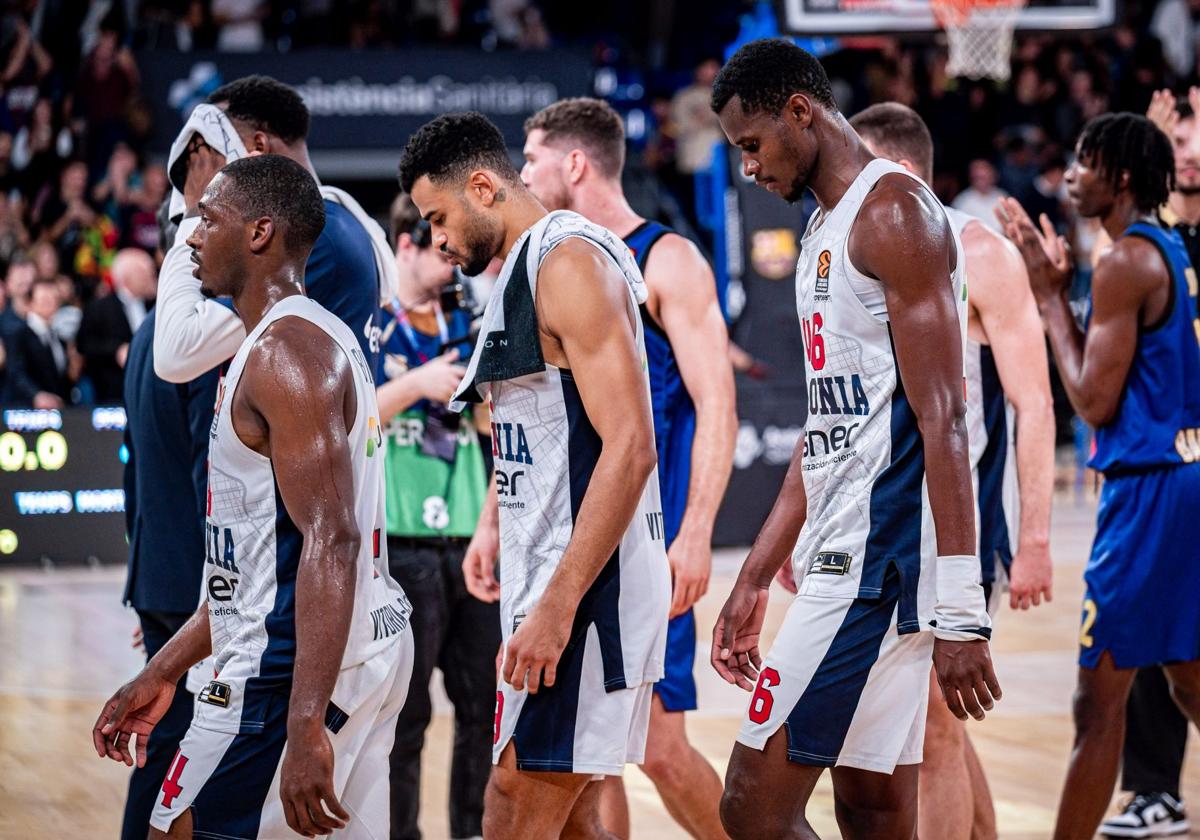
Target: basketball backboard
x,y
838,17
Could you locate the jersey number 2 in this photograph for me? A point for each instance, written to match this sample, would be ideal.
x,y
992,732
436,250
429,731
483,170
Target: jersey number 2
x,y
1089,619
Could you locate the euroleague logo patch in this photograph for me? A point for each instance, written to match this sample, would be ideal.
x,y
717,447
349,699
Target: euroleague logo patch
x,y
823,261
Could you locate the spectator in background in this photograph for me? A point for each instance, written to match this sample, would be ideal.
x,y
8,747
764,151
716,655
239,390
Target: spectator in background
x,y
139,224
239,24
1048,194
39,366
40,150
66,320
9,179
696,127
18,280
14,238
982,195
113,194
24,63
109,323
59,216
107,84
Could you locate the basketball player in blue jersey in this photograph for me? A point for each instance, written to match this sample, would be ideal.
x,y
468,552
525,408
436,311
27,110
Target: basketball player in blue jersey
x,y
308,633
1133,374
1008,384
876,509
584,581
574,154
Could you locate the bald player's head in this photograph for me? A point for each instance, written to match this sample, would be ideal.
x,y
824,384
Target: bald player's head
x,y
133,271
898,133
258,215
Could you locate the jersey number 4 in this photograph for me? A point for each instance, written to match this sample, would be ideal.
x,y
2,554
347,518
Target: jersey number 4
x,y
170,786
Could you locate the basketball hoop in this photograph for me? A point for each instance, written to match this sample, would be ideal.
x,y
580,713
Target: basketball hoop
x,y
980,33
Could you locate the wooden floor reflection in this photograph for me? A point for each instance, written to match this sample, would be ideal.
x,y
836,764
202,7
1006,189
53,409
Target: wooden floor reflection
x,y
65,645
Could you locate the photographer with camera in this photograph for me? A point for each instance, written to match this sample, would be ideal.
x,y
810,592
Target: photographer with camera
x,y
436,484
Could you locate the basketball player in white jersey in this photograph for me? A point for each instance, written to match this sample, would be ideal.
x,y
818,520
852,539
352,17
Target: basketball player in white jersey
x,y
1008,387
584,580
877,509
308,634
574,154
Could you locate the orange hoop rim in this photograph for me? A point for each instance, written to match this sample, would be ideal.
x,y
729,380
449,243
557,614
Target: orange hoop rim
x,y
957,12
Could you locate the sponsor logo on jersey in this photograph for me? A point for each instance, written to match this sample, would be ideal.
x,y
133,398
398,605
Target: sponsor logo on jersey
x,y
773,253
390,620
216,694
510,444
823,261
508,485
830,563
212,432
221,552
838,395
818,442
374,436
517,619
656,524
221,588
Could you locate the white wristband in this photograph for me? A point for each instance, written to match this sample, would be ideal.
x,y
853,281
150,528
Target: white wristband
x,y
961,611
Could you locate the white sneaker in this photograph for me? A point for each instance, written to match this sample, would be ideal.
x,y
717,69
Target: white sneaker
x,y
1148,815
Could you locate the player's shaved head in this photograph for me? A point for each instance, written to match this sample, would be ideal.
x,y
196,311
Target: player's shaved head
x,y
897,132
280,189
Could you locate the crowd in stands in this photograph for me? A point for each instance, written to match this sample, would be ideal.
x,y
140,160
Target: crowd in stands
x,y
79,189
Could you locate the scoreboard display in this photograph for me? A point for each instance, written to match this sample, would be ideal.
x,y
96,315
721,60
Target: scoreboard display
x,y
61,485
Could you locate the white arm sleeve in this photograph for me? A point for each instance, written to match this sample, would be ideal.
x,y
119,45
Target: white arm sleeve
x,y
192,334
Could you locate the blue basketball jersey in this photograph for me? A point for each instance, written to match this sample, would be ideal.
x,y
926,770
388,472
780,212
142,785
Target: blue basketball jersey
x,y
674,413
1158,421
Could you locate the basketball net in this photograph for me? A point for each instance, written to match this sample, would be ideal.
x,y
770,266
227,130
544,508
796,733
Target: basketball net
x,y
980,33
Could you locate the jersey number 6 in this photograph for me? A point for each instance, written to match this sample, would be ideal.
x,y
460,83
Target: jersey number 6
x,y
762,701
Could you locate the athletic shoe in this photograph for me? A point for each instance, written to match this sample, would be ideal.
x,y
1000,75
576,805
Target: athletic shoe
x,y
1148,815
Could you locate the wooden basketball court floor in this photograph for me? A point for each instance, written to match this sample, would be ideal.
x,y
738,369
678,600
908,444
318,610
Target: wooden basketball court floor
x,y
65,645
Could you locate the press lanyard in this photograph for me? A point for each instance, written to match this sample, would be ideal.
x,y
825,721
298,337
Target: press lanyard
x,y
411,334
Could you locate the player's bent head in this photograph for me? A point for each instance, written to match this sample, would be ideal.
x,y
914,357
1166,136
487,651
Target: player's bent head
x,y
1119,153
263,104
898,133
258,206
457,170
564,140
772,99
764,75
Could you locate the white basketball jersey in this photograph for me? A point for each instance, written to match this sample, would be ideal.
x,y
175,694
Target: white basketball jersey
x,y
991,429
545,450
864,460
253,553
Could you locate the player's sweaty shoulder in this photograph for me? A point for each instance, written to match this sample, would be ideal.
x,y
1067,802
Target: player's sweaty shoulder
x,y
295,354
899,221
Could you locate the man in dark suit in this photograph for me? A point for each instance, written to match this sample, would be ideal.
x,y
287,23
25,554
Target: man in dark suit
x,y
38,360
109,322
165,492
